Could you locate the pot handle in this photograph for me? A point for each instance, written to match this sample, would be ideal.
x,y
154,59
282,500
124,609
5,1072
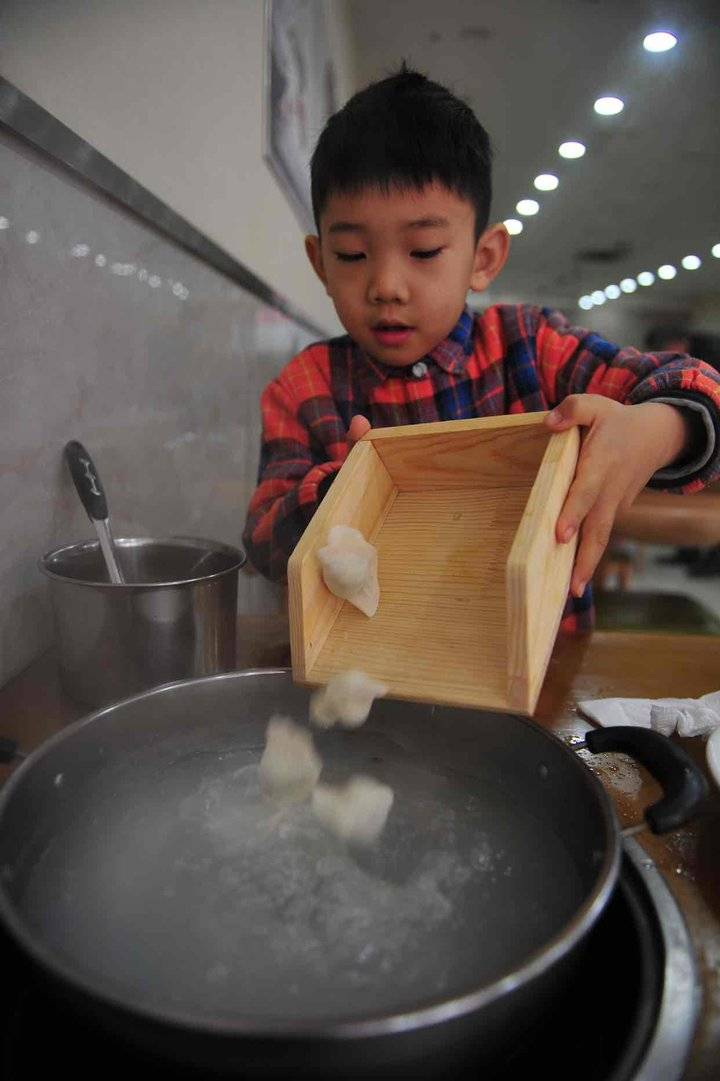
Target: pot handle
x,y
683,781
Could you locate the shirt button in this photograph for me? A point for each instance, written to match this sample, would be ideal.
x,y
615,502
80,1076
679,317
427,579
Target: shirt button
x,y
419,369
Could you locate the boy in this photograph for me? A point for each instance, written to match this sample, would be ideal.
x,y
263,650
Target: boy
x,y
401,195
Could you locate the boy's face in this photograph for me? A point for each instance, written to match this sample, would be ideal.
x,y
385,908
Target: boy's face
x,y
398,266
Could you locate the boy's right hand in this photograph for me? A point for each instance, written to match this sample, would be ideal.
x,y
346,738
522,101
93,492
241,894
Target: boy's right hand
x,y
359,426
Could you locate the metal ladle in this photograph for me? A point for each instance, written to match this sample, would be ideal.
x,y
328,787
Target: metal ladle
x,y
89,488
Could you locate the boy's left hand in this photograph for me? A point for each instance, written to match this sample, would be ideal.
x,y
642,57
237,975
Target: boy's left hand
x,y
359,426
622,447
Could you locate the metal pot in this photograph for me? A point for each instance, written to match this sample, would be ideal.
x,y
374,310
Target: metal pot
x,y
173,618
145,877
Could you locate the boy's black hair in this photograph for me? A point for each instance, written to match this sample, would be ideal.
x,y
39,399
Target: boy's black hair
x,y
405,132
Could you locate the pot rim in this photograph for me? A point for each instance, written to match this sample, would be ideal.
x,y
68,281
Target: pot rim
x,y
435,1012
240,557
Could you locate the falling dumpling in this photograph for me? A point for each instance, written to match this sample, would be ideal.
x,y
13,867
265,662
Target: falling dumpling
x,y
356,811
349,566
290,765
346,699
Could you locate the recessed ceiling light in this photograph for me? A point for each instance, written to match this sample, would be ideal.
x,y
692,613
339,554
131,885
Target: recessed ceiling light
x,y
527,207
659,42
612,292
667,271
609,106
513,226
628,285
598,297
586,303
571,149
691,262
645,277
716,250
546,182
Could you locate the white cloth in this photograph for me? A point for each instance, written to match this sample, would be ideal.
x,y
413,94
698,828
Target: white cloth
x,y
713,755
686,716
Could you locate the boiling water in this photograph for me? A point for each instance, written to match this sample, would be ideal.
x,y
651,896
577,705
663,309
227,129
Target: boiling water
x,y
204,896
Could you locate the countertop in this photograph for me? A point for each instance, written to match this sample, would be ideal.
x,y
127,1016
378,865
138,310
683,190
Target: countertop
x,y
604,664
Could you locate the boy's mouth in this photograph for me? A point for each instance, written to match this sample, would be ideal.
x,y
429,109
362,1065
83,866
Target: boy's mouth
x,y
391,332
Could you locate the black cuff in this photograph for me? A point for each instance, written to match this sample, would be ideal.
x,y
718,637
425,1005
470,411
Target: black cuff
x,y
704,440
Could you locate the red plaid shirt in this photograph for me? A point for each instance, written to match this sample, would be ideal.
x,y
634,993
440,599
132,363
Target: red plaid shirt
x,y
510,359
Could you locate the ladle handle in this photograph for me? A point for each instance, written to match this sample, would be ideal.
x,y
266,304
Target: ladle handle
x,y
87,481
683,782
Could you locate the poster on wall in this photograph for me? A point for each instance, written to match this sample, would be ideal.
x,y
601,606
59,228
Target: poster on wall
x,y
300,95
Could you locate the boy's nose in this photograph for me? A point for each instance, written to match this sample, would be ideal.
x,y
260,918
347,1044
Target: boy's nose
x,y
387,286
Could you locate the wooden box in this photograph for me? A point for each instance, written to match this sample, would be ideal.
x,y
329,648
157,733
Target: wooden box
x,y
472,580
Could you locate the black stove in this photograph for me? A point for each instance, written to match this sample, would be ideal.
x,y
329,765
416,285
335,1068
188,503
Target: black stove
x,y
630,1015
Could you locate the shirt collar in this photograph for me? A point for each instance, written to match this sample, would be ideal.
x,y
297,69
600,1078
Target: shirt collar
x,y
451,354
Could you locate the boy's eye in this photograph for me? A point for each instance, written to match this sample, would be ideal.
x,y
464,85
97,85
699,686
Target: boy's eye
x,y
350,257
426,254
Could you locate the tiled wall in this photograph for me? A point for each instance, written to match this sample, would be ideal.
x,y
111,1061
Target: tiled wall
x,y
112,335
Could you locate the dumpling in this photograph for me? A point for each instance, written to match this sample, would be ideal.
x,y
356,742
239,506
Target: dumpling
x,y
356,811
346,699
290,765
349,566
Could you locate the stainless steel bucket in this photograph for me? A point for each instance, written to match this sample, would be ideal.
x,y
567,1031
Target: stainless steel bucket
x,y
174,618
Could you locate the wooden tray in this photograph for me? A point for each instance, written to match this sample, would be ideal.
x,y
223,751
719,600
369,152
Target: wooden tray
x,y
472,580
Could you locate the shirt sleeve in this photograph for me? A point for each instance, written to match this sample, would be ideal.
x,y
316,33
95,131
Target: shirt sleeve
x,y
576,361
295,472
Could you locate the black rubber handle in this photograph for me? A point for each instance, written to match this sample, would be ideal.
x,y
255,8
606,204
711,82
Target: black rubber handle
x,y
87,481
683,782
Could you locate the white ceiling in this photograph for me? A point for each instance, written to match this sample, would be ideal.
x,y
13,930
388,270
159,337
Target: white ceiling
x,y
531,69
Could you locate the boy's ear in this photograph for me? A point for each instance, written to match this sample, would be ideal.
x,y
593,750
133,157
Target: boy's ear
x,y
314,254
491,252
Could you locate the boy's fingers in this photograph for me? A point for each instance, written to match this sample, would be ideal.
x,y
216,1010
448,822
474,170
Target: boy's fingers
x,y
359,426
589,554
596,532
583,494
575,409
